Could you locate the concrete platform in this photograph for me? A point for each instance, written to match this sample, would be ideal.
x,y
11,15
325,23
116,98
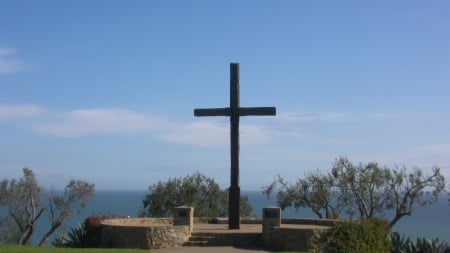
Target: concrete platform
x,y
245,228
223,228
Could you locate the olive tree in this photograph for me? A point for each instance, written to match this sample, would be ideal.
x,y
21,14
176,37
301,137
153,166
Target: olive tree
x,y
196,190
22,204
76,195
316,191
22,201
366,190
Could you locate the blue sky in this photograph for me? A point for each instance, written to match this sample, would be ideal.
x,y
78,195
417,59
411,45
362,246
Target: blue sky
x,y
105,90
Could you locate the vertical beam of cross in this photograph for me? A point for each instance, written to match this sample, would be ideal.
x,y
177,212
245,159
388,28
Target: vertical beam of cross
x,y
234,112
234,197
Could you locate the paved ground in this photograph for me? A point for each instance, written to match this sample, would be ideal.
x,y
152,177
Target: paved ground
x,y
223,228
224,249
245,228
220,229
217,228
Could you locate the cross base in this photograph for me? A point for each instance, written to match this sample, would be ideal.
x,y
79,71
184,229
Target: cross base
x,y
234,219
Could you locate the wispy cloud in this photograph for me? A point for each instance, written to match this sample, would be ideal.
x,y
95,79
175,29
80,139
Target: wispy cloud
x,y
79,123
346,117
6,51
107,121
205,134
9,63
212,134
17,112
310,117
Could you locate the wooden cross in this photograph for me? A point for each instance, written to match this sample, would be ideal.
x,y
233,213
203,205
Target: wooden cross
x,y
234,112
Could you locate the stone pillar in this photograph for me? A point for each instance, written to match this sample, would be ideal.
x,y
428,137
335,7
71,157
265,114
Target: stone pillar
x,y
271,216
184,216
271,221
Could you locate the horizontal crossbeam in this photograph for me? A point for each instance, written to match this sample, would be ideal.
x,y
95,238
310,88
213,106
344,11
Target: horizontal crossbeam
x,y
257,111
243,111
212,112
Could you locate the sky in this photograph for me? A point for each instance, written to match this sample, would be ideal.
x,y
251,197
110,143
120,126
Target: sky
x,y
104,91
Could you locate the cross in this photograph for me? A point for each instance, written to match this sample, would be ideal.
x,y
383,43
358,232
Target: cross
x,y
234,112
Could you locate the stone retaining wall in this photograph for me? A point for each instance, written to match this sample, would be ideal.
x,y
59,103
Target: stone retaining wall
x,y
139,222
317,222
295,239
142,233
155,233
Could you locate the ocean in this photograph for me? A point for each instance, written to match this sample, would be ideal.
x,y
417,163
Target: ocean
x,y
430,222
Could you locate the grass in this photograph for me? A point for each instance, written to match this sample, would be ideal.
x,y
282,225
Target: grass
x,y
27,249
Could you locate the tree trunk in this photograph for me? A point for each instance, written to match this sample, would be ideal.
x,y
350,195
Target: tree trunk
x,y
49,233
397,217
26,235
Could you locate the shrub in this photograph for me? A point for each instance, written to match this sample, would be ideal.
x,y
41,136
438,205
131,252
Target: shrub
x,y
74,239
400,244
86,235
421,245
432,246
370,236
93,229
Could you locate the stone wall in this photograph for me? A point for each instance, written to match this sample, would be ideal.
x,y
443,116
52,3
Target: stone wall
x,y
316,222
139,222
155,233
142,233
293,239
297,234
221,220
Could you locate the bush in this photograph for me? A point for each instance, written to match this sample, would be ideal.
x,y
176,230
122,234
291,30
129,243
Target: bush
x,y
400,244
74,239
370,236
93,229
86,235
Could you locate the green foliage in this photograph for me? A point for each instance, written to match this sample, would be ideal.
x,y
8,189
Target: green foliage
x,y
431,246
86,235
73,239
22,201
24,249
316,191
196,190
21,198
93,231
400,244
365,190
76,195
369,236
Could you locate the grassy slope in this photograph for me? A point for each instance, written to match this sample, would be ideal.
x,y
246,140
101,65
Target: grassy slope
x,y
22,249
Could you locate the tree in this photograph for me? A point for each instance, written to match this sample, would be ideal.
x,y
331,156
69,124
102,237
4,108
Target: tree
x,y
365,189
367,185
196,190
317,192
21,200
414,189
76,195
